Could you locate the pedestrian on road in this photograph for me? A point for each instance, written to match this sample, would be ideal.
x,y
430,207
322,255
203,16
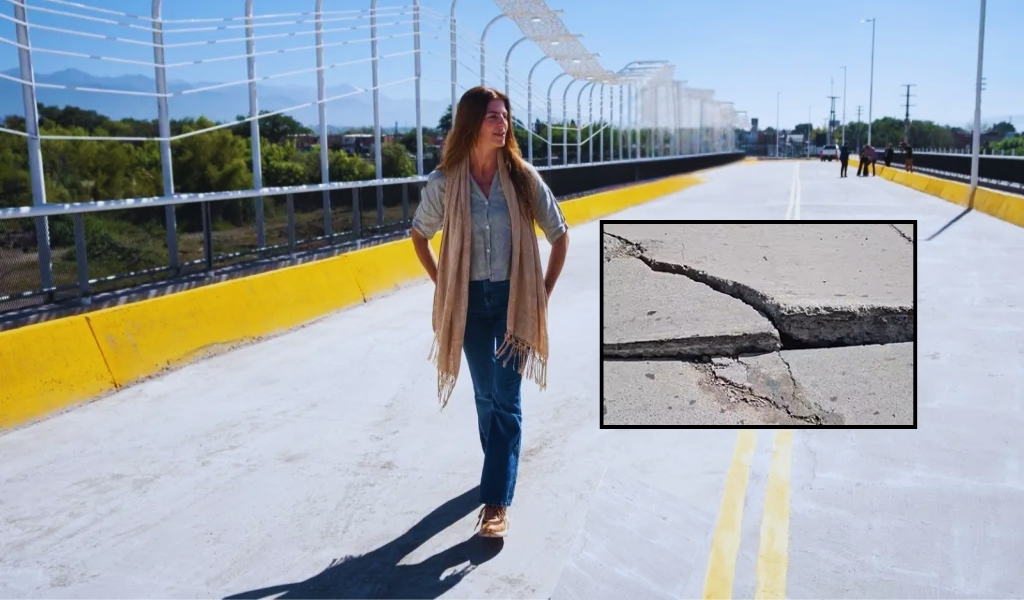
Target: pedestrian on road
x,y
888,154
844,159
908,155
490,295
867,158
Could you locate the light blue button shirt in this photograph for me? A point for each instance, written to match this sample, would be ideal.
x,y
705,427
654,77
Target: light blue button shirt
x,y
491,252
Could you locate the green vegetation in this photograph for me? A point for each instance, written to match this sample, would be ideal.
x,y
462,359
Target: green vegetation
x,y
80,170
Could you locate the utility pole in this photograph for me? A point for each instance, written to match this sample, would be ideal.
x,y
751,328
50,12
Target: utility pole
x,y
844,105
778,95
832,120
906,120
810,128
832,110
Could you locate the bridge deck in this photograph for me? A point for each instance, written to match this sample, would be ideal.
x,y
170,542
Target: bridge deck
x,y
254,473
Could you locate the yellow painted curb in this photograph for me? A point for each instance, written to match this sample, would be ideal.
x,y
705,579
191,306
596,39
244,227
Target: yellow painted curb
x,y
49,366
1001,205
143,338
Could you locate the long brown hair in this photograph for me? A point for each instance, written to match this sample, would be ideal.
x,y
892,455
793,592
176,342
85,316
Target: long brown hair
x,y
469,118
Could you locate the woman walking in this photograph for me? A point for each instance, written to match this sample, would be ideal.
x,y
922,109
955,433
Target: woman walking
x,y
490,295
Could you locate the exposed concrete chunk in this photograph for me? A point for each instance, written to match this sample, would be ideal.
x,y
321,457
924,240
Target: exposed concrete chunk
x,y
696,347
732,371
769,376
679,393
651,314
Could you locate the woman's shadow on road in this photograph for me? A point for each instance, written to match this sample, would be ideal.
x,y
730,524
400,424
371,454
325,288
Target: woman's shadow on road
x,y
377,574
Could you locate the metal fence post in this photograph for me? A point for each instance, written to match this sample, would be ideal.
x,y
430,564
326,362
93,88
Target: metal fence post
x,y
321,94
611,109
81,258
357,217
254,124
35,152
207,235
290,203
419,81
455,72
377,150
590,127
405,202
163,116
622,132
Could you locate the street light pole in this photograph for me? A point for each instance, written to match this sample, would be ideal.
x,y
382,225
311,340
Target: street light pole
x,y
483,48
977,109
871,92
508,57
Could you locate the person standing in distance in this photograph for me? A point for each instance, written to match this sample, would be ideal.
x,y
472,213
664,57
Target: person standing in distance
x,y
844,159
490,295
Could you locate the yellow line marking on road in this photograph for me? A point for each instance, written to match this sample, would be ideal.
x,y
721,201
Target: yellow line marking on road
x,y
726,542
773,554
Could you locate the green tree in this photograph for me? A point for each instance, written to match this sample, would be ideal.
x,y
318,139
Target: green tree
x,y
281,164
275,128
213,161
395,161
343,166
445,122
1013,146
1002,128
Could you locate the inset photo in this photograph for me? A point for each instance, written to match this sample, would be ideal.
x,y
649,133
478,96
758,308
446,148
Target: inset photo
x,y
747,324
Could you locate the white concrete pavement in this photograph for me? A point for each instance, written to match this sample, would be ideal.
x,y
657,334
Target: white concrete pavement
x,y
316,463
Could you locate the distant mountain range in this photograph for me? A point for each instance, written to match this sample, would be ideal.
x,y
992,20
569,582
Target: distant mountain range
x,y
222,104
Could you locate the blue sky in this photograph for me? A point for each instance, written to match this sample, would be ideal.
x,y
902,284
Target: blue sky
x,y
746,50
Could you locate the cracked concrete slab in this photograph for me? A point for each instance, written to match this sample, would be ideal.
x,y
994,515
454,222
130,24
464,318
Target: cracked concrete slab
x,y
856,385
650,314
680,393
864,385
636,541
821,285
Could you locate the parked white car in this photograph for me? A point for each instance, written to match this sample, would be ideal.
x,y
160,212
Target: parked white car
x,y
829,153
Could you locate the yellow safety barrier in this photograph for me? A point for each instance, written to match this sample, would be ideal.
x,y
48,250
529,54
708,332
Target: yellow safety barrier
x,y
50,366
47,367
1001,205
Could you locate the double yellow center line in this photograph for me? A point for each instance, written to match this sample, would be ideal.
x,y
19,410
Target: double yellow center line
x,y
773,557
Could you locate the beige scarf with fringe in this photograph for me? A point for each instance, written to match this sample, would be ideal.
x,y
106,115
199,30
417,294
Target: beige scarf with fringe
x,y
526,337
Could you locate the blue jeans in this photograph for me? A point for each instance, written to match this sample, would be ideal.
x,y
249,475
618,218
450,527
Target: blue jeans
x,y
497,390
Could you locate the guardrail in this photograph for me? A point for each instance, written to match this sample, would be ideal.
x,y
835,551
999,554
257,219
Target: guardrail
x,y
309,228
55,253
1003,171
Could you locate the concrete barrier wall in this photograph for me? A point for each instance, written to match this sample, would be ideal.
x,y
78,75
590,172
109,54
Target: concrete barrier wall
x,y
51,366
1001,205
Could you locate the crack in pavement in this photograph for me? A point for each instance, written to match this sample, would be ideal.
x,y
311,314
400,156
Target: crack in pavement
x,y
696,347
801,327
902,235
746,393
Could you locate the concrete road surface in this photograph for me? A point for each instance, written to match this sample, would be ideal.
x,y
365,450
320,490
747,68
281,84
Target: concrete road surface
x,y
317,464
